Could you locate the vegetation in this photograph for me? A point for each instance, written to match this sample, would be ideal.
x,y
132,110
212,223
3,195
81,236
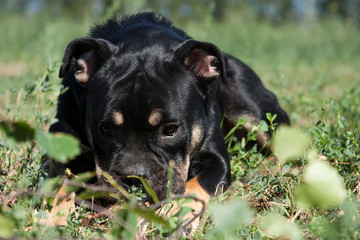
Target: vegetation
x,y
310,189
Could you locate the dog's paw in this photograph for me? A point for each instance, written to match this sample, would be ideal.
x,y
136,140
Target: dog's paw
x,y
186,209
192,218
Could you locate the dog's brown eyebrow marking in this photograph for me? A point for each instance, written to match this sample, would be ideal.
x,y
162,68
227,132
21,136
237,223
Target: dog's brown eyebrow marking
x,y
117,118
155,117
196,133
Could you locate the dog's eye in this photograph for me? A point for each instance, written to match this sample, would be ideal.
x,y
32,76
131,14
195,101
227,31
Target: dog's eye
x,y
170,130
105,130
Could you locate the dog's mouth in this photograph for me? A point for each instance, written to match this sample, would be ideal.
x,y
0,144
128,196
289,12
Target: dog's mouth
x,y
129,181
134,185
157,184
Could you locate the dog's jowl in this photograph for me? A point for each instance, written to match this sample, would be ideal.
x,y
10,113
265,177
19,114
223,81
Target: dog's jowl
x,y
141,93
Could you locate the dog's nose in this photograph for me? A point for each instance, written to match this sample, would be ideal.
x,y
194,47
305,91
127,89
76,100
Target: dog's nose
x,y
136,170
125,176
131,181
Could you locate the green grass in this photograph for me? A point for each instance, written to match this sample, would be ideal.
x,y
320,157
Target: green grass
x,y
312,67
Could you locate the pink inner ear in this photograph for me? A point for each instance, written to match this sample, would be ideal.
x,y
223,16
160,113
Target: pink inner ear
x,y
202,64
82,75
85,65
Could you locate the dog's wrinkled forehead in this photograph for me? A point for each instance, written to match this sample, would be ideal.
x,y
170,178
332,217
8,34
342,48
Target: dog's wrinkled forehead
x,y
144,87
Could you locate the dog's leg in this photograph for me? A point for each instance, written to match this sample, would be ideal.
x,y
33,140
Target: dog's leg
x,y
212,171
243,95
262,138
193,187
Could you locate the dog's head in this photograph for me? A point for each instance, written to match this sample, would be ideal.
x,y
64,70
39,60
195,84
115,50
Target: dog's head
x,y
145,107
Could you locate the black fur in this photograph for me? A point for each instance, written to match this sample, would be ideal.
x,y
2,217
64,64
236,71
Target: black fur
x,y
141,64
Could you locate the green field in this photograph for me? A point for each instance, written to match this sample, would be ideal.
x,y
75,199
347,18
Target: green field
x,y
313,67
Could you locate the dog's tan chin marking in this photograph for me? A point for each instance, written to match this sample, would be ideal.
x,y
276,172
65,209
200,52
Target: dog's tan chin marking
x,y
117,118
155,117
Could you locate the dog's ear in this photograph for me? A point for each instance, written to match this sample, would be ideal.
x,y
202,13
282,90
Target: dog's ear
x,y
203,59
84,56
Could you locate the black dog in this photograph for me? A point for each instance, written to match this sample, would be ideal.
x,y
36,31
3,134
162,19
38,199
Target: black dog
x,y
143,94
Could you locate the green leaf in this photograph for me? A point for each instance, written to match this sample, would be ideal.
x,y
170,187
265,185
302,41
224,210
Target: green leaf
x,y
263,126
126,228
285,169
274,181
277,227
349,153
270,117
322,186
147,187
48,186
151,216
289,143
5,128
17,131
238,125
184,210
188,200
7,226
60,147
84,177
231,216
115,184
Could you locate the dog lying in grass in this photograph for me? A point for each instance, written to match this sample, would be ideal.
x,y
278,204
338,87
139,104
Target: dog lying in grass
x,y
142,94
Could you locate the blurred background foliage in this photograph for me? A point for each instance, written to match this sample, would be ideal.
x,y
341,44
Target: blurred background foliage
x,y
275,11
